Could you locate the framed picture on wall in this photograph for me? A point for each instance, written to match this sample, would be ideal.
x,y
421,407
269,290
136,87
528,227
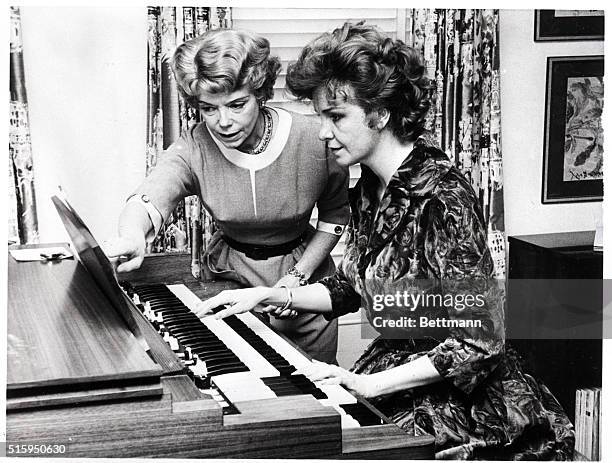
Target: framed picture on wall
x,y
573,132
559,25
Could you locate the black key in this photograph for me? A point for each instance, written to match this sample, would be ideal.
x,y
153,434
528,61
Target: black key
x,y
194,336
208,350
181,316
224,370
174,306
363,415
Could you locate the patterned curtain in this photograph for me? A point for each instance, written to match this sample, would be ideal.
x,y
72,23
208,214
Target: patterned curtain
x,y
461,50
22,222
167,115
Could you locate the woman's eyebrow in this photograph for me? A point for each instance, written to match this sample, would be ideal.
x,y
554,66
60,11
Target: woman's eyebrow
x,y
241,99
237,100
331,109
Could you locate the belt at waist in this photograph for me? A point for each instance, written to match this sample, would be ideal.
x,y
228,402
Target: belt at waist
x,y
262,251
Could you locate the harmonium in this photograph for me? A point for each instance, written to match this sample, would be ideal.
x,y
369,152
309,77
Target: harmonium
x,y
129,371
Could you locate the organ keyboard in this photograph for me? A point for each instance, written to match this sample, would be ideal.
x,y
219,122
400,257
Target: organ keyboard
x,y
244,358
212,389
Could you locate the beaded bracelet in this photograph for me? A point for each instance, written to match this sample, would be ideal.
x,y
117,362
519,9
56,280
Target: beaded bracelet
x,y
299,275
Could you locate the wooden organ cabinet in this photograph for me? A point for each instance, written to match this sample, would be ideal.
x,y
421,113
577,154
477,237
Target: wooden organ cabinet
x,y
78,376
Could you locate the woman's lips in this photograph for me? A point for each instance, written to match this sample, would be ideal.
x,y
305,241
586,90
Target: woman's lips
x,y
228,136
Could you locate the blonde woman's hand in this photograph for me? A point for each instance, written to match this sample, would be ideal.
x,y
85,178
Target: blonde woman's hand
x,y
278,312
235,301
125,252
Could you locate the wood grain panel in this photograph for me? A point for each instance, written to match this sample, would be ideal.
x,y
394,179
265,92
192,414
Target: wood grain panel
x,y
280,409
182,388
171,268
371,440
186,397
50,399
61,330
151,428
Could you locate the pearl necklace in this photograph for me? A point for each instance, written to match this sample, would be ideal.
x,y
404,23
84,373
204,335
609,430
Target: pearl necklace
x,y
267,135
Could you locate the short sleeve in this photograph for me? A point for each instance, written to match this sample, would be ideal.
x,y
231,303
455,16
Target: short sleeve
x,y
171,179
333,205
457,254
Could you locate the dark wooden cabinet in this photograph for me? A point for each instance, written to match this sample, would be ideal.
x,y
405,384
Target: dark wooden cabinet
x,y
555,255
554,307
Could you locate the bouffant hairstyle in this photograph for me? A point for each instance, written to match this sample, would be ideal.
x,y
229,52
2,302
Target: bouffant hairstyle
x,y
222,61
359,62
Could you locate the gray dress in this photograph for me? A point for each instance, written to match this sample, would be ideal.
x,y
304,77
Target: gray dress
x,y
265,199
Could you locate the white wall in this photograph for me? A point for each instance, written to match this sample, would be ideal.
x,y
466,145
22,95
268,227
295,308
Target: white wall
x,y
85,71
523,88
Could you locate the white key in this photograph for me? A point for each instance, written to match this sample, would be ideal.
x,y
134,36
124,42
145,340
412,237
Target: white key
x,y
199,368
243,386
336,394
171,341
346,420
245,352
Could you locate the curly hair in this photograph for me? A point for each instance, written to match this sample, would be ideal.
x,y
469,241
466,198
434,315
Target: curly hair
x,y
222,61
377,72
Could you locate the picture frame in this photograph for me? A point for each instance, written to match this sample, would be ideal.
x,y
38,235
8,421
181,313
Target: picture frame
x,y
573,132
562,25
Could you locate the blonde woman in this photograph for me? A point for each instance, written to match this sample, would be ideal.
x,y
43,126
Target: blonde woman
x,y
258,170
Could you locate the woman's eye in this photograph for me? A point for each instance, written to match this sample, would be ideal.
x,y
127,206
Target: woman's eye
x,y
207,109
335,117
237,106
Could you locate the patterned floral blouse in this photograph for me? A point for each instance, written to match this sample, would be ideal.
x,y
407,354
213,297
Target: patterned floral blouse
x,y
429,227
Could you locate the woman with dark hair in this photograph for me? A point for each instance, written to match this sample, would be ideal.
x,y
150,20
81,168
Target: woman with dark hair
x,y
259,172
415,225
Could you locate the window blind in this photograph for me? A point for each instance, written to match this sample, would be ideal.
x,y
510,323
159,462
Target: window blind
x,y
289,29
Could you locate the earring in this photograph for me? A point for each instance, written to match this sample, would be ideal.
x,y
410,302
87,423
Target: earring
x,y
262,104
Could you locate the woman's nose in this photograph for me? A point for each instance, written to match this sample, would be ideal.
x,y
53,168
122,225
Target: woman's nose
x,y
324,131
224,118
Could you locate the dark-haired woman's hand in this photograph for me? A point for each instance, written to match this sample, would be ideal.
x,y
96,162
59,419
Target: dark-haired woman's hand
x,y
235,301
287,281
323,373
